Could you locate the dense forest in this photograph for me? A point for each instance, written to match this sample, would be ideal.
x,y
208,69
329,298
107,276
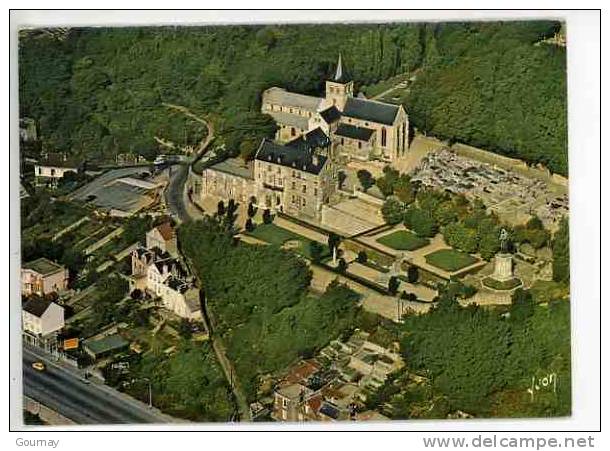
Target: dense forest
x,y
99,91
259,301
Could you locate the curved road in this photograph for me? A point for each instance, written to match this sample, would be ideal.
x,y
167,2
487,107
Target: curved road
x,y
175,194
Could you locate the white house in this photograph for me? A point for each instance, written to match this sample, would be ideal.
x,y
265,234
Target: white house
x,y
163,237
55,166
42,318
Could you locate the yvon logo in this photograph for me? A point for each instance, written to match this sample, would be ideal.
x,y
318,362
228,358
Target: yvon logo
x,y
545,383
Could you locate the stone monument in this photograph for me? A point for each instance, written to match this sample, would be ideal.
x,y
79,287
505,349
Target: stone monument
x,y
503,267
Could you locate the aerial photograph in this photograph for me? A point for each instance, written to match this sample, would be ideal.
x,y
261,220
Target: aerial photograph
x,y
289,223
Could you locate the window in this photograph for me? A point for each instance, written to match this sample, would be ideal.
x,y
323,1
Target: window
x,y
359,145
292,131
315,191
304,189
294,185
304,203
342,141
52,172
384,137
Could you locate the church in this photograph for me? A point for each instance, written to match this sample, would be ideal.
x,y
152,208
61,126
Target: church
x,y
297,173
359,128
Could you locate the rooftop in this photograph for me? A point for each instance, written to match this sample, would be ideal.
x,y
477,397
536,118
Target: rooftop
x,y
370,110
234,166
353,132
280,96
37,307
293,120
166,230
43,266
60,160
331,115
290,156
106,344
311,140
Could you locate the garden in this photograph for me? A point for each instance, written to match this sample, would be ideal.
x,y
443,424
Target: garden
x,y
403,240
279,236
450,260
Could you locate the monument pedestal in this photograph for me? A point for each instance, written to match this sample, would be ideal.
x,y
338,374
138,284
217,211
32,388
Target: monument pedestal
x,y
503,269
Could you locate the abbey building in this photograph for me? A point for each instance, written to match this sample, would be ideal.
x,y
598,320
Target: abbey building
x,y
297,172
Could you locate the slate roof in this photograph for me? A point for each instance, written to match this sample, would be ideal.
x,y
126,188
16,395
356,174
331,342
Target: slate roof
x,y
353,132
311,140
370,110
290,156
43,266
280,96
59,160
292,120
331,115
234,166
37,307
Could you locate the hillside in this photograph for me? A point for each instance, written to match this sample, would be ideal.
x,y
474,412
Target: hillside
x,y
99,91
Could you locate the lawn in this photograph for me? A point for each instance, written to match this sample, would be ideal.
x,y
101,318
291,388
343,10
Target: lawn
x,y
278,236
403,240
450,260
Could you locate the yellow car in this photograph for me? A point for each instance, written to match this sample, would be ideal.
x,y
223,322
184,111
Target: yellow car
x,y
39,366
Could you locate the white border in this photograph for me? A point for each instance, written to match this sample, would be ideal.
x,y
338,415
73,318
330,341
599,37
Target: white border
x,y
584,121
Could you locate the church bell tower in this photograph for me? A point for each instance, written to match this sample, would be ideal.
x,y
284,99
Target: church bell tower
x,y
339,88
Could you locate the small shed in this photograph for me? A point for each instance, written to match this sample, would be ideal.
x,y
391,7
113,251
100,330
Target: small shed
x,y
105,346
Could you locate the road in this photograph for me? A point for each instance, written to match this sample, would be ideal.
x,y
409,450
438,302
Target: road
x,y
175,194
63,390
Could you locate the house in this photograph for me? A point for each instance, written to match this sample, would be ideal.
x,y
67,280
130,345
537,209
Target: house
x,y
54,166
41,318
229,179
42,276
163,237
164,277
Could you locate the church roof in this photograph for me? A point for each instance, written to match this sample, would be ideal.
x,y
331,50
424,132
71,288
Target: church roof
x,y
293,120
353,132
290,156
340,74
311,140
280,96
370,110
331,115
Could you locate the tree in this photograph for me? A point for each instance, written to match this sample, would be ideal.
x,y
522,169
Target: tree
x,y
365,178
393,285
561,252
341,265
412,274
387,182
221,210
249,225
362,257
404,190
393,211
341,176
251,210
315,250
522,305
333,241
421,222
267,218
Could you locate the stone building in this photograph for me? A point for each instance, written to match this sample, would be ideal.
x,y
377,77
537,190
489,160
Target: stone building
x,y
296,178
41,318
362,129
229,179
43,276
